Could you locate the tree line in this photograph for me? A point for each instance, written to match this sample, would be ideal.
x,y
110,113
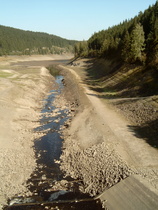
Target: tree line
x,y
132,40
16,42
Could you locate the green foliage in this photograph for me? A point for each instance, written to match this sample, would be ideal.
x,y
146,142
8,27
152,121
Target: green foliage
x,y
137,43
15,41
132,40
5,74
126,47
54,70
81,49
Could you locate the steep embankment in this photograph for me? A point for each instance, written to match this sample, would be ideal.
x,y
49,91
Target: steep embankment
x,y
132,89
101,148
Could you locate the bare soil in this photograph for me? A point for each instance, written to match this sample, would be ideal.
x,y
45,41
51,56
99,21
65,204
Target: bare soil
x,y
22,90
101,146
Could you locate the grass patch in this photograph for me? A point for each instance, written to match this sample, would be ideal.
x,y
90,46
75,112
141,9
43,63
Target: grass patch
x,y
5,67
54,70
5,74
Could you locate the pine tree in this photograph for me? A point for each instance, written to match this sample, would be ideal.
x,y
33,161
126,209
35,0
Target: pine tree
x,y
76,49
105,47
137,43
83,48
126,47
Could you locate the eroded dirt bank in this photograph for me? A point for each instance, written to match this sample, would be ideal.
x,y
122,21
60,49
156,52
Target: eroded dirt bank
x,y
99,148
22,90
88,153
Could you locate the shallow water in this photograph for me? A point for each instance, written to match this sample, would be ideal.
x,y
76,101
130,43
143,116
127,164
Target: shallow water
x,y
47,173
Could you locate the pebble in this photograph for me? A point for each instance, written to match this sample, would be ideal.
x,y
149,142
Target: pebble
x,y
43,177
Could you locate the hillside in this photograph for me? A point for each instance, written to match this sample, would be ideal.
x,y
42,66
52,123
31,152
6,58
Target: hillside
x,y
125,57
121,65
16,42
132,41
132,89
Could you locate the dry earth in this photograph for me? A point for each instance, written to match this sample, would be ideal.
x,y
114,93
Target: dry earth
x,y
22,89
99,147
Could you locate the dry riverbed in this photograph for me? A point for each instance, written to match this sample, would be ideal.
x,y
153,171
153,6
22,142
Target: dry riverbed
x,y
98,149
22,90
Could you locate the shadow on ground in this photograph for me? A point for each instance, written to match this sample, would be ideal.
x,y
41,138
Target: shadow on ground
x,y
118,81
148,132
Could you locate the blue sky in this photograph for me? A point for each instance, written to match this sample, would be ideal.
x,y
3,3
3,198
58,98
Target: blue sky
x,y
71,19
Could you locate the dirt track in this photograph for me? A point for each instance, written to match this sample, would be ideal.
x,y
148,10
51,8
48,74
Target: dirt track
x,y
98,148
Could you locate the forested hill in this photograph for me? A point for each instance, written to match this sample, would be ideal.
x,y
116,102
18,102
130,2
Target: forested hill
x,y
131,41
124,58
16,42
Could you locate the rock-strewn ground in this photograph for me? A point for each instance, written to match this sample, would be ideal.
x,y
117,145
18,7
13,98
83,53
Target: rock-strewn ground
x,y
100,146
22,90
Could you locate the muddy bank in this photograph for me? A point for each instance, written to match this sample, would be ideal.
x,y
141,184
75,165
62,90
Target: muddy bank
x,y
44,181
48,188
21,99
22,90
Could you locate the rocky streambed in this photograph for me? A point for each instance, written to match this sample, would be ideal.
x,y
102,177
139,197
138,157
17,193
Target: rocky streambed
x,y
48,187
82,148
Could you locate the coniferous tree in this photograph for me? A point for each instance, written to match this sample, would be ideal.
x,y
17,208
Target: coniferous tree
x,y
137,43
83,48
77,49
105,47
126,47
16,41
133,40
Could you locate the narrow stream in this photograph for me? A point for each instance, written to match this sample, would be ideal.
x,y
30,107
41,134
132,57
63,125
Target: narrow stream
x,y
49,188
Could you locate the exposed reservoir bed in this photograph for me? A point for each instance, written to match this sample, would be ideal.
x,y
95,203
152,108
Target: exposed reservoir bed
x,y
98,151
47,184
